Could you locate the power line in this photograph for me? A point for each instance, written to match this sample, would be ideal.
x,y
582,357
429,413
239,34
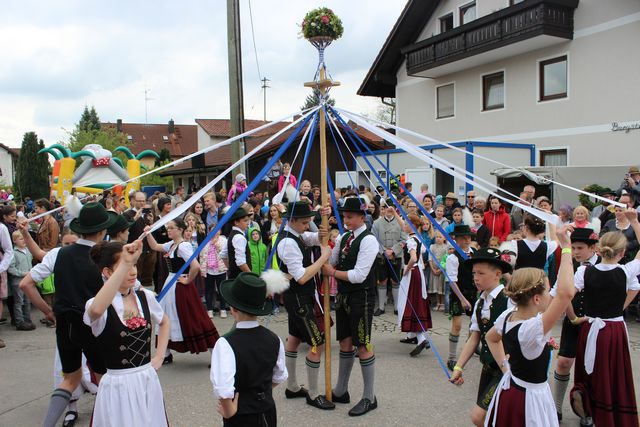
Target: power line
x,y
253,37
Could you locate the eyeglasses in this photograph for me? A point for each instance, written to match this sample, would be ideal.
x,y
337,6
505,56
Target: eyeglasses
x,y
471,197
412,206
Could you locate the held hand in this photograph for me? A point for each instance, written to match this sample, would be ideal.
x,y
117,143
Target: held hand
x,y
325,252
564,235
327,270
326,210
156,362
22,225
322,233
466,304
131,252
51,317
456,378
147,229
184,279
631,214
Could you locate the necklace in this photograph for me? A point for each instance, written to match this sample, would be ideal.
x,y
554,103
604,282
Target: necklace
x,y
127,294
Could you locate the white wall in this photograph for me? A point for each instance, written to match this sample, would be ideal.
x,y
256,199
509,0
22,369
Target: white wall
x,y
6,166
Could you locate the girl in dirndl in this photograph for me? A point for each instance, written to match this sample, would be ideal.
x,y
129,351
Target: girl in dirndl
x,y
414,314
523,396
121,318
603,393
191,329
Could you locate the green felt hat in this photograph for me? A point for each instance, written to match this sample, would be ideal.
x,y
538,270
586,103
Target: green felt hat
x,y
492,256
247,293
93,218
121,223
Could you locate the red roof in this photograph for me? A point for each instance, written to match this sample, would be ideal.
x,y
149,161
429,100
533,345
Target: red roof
x,y
222,156
157,137
222,127
11,150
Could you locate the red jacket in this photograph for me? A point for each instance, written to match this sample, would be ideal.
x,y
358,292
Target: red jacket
x,y
498,223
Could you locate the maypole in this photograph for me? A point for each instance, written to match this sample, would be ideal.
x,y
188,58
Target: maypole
x,y
320,27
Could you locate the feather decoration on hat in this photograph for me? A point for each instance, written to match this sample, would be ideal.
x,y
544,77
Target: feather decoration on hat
x,y
507,253
277,282
73,206
467,217
596,225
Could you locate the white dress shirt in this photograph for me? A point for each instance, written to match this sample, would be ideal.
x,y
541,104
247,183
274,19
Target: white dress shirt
x,y
45,268
223,365
239,243
290,254
631,269
452,266
366,256
486,308
531,334
98,325
552,245
7,248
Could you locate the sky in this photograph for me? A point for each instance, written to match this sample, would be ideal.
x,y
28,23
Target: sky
x,y
60,56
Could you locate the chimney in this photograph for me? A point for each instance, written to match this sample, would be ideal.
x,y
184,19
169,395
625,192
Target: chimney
x,y
119,125
172,127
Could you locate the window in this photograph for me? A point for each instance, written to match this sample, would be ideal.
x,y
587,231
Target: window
x,y
129,138
553,157
467,13
446,23
445,101
493,91
165,138
553,78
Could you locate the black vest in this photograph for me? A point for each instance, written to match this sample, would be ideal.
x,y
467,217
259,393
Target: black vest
x,y
528,258
407,255
531,371
256,353
604,292
175,262
497,307
77,279
233,267
347,261
125,348
578,300
465,278
308,288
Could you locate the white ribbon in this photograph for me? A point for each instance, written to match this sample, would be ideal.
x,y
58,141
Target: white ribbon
x,y
197,196
432,160
479,156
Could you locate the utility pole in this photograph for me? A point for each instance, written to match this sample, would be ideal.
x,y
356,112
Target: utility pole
x,y
235,83
264,88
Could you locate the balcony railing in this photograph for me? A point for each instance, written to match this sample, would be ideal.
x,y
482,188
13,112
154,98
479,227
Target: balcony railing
x,y
522,21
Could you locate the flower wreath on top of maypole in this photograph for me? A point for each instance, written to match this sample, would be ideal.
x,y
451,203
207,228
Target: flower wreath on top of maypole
x,y
320,27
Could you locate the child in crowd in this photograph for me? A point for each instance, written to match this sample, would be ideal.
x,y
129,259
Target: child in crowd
x,y
482,232
440,218
333,283
237,189
487,269
257,251
436,281
494,242
414,314
214,272
121,319
248,361
523,397
456,217
19,267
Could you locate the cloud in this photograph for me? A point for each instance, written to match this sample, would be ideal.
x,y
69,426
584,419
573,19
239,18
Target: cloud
x,y
61,56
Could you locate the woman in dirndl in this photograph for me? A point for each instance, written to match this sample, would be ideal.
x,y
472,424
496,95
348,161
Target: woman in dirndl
x,y
603,393
191,328
414,314
523,396
121,318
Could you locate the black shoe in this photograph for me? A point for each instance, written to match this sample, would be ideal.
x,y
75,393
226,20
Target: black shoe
x,y
320,402
303,392
345,398
25,327
362,407
3,321
407,340
451,364
396,313
426,344
378,312
559,416
416,351
71,421
167,360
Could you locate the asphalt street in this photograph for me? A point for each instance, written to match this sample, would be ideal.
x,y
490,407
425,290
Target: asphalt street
x,y
410,391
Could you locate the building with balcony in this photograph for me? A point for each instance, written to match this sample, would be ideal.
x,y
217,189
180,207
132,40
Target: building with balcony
x,y
528,83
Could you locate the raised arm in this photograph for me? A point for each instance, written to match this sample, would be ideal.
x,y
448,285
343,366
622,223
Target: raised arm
x,y
33,247
153,244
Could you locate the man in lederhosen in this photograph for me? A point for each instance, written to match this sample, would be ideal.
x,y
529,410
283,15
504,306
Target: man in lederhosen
x,y
354,256
77,279
583,248
294,251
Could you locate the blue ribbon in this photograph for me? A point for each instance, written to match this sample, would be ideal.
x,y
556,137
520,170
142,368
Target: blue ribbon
x,y
243,196
334,202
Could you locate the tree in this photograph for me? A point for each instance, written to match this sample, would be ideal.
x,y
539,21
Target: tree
x,y
165,156
314,99
386,111
89,121
32,171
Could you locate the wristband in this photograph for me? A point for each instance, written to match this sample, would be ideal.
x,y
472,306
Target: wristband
x,y
457,369
575,320
566,251
334,273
